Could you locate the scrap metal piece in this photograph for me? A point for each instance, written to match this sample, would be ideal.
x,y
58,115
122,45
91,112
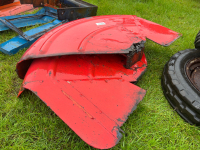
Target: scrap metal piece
x,y
118,34
5,2
39,3
70,10
44,15
11,7
66,9
86,76
17,43
92,94
11,26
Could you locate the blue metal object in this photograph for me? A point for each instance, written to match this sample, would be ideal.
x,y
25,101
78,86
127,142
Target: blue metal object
x,y
44,15
13,45
68,10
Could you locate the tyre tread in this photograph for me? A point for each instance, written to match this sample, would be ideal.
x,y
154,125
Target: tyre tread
x,y
179,98
197,41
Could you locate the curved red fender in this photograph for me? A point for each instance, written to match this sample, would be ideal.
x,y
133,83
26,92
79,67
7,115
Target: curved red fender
x,y
96,35
80,71
92,94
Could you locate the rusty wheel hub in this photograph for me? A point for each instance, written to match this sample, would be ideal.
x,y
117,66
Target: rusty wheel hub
x,y
193,72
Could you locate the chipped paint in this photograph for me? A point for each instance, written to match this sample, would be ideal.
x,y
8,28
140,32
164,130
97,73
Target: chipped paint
x,y
126,29
79,8
14,8
92,90
91,77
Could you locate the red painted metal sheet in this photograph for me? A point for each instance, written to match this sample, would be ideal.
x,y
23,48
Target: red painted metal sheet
x,y
96,35
14,8
89,67
80,71
92,94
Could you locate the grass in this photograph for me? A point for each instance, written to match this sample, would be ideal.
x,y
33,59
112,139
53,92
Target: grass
x,y
27,123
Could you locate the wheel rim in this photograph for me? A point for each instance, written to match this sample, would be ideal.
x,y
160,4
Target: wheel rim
x,y
193,72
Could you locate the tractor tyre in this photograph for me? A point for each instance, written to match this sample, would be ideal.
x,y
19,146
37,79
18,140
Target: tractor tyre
x,y
182,93
197,41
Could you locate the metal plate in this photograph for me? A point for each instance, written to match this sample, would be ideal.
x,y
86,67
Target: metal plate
x,y
76,13
42,16
101,34
14,8
17,43
45,15
67,9
92,94
84,70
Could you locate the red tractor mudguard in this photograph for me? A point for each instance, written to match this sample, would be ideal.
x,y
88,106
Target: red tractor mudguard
x,y
11,7
84,71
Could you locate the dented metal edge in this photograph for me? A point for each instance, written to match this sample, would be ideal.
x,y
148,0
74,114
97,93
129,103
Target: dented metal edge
x,y
32,36
24,58
136,48
168,43
119,130
26,61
